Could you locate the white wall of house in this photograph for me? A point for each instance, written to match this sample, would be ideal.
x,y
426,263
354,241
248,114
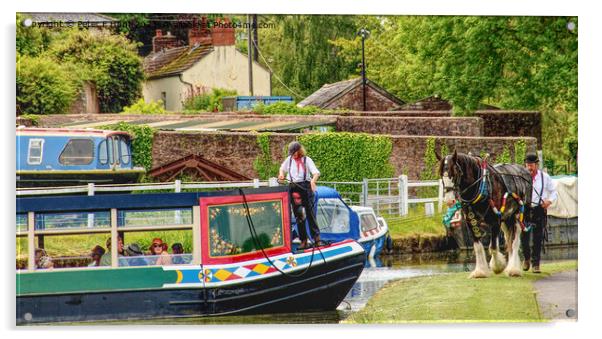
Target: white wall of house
x,y
169,89
225,67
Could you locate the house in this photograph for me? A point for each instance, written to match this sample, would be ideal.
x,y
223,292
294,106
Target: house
x,y
348,94
209,60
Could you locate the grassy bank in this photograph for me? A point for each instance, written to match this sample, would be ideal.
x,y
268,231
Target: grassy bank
x,y
415,224
455,298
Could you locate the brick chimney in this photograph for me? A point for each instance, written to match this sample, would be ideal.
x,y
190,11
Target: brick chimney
x,y
161,42
199,34
223,33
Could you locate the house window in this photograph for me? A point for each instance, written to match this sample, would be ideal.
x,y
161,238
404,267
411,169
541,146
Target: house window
x,y
77,152
164,99
34,152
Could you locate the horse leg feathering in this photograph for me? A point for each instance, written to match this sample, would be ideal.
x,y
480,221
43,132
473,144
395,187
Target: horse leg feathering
x,y
481,269
513,268
498,261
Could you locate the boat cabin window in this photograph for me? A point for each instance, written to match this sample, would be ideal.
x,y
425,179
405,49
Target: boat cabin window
x,y
103,156
368,222
77,152
124,150
21,222
35,151
229,232
168,216
333,216
70,220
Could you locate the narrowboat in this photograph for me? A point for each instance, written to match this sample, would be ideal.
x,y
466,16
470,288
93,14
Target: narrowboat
x,y
50,157
338,221
240,262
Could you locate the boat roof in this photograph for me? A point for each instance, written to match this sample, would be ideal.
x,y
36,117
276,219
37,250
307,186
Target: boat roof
x,y
87,132
327,192
360,209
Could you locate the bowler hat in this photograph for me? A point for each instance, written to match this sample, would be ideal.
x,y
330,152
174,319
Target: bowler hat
x,y
531,158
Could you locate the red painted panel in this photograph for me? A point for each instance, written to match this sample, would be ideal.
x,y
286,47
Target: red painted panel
x,y
205,202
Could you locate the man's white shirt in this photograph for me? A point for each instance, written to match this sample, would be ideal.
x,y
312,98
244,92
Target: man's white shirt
x,y
297,172
549,189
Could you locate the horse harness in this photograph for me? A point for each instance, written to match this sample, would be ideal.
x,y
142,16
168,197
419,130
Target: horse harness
x,y
482,193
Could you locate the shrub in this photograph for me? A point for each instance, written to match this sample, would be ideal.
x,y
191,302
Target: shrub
x,y
111,61
287,108
208,102
141,107
349,156
264,165
43,86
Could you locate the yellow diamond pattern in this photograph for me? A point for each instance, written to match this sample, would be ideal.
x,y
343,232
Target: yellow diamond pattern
x,y
260,268
222,275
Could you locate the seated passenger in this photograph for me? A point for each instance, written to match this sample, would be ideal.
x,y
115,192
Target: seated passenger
x,y
106,258
133,250
96,254
159,248
42,260
178,250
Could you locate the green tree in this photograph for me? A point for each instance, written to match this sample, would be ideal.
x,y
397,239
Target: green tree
x,y
30,40
300,52
43,86
111,61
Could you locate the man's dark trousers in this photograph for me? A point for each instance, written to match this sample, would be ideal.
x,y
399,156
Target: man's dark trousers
x,y
307,201
538,221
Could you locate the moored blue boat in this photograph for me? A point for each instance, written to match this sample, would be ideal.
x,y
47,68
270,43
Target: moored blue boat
x,y
241,261
338,221
62,157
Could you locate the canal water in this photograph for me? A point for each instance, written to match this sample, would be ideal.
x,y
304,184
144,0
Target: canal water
x,y
376,274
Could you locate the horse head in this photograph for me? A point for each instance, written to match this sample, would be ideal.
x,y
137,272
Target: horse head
x,y
459,173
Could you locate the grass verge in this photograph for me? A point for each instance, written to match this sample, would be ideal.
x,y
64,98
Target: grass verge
x,y
455,298
415,224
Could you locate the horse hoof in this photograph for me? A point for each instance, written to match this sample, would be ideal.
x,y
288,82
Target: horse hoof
x,y
498,270
478,274
514,273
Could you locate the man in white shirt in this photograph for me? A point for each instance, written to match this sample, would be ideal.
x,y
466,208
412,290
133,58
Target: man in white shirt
x,y
544,193
302,174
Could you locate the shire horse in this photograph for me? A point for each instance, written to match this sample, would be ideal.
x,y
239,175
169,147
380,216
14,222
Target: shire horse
x,y
493,195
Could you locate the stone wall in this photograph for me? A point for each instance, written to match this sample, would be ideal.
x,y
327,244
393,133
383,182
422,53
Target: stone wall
x,y
412,126
514,123
238,150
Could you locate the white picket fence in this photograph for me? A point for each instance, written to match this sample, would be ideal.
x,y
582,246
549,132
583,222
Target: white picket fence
x,y
389,196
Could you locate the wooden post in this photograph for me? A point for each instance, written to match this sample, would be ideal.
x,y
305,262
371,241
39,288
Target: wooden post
x,y
31,244
196,235
114,241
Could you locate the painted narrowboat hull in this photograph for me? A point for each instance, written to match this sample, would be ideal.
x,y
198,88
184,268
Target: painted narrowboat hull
x,y
56,178
252,287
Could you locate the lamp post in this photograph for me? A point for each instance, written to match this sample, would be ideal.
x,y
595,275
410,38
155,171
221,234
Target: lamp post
x,y
364,34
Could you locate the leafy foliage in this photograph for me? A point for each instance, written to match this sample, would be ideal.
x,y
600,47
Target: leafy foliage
x,y
349,156
111,61
430,161
300,51
520,150
142,143
285,108
31,41
141,107
504,157
208,102
511,62
43,86
264,165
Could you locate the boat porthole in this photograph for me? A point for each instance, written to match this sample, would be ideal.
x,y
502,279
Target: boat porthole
x,y
27,316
